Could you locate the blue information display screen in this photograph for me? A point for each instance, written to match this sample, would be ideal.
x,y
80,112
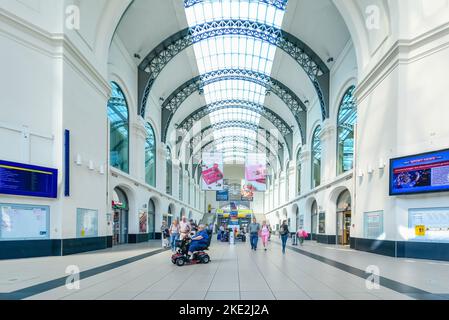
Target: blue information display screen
x,y
26,180
422,173
223,195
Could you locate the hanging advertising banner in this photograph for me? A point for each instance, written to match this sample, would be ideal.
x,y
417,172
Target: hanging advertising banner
x,y
212,172
256,172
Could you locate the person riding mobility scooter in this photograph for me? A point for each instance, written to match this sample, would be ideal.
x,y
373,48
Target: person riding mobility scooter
x,y
191,251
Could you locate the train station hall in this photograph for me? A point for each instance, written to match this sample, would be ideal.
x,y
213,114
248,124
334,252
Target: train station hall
x,y
224,150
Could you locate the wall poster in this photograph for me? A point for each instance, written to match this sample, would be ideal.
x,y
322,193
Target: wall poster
x,y
373,224
86,223
24,222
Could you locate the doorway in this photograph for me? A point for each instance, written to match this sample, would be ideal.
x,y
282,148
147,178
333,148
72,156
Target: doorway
x,y
314,220
344,218
151,220
120,217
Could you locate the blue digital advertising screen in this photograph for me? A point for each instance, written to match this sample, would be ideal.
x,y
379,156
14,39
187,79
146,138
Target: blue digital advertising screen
x,y
423,173
27,180
223,195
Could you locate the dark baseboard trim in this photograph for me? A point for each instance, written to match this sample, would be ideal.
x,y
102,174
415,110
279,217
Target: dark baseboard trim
x,y
55,247
74,246
403,249
29,249
326,239
138,238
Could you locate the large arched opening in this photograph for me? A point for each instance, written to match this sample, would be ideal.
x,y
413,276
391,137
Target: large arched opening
x,y
120,207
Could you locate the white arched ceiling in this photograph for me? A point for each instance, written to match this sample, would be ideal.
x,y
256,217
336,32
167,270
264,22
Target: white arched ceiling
x,y
163,25
319,25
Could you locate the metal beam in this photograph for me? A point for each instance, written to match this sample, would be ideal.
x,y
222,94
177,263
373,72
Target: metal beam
x,y
310,62
291,100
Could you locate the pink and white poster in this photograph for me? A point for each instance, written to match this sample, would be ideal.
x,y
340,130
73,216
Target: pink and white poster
x,y
256,172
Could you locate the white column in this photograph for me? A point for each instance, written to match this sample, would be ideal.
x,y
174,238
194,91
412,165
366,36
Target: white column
x,y
137,150
176,168
328,153
161,167
306,170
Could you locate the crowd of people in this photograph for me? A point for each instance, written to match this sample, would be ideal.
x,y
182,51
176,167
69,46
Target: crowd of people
x,y
180,230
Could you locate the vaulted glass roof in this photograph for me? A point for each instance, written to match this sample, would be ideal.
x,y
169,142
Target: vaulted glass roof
x,y
234,52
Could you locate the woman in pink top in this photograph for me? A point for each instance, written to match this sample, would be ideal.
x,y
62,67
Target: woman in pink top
x,y
265,234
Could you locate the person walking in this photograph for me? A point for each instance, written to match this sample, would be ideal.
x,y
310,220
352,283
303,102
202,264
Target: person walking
x,y
302,235
174,235
265,234
184,228
165,233
284,235
254,229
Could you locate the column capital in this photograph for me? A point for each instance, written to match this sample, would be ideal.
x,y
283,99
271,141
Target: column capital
x,y
305,156
328,130
139,128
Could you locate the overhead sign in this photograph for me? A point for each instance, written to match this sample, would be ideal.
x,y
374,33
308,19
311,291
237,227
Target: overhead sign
x,y
222,195
212,172
26,180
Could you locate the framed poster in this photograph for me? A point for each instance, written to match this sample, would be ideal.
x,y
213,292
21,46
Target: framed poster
x,y
86,223
24,222
322,223
373,224
143,221
429,225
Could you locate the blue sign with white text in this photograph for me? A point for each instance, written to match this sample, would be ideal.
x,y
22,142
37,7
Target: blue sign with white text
x,y
27,180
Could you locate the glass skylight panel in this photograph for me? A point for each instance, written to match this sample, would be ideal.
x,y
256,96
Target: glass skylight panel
x,y
220,53
216,10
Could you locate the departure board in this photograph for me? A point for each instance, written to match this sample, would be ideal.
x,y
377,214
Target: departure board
x,y
27,180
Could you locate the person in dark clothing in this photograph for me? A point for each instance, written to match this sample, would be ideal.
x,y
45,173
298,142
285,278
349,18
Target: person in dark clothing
x,y
284,235
199,241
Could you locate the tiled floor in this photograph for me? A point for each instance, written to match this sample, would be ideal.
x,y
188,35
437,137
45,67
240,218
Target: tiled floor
x,y
235,273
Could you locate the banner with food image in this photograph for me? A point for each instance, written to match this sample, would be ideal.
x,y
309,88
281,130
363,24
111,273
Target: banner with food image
x,y
212,172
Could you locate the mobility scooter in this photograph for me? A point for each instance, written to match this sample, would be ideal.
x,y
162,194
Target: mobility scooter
x,y
180,258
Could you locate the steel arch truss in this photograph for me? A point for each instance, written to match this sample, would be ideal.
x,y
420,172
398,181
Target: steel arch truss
x,y
291,100
311,63
259,147
280,4
264,134
284,129
263,111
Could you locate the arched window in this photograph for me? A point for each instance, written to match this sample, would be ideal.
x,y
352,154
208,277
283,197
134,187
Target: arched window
x,y
316,158
298,172
169,173
347,117
118,114
150,156
181,183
